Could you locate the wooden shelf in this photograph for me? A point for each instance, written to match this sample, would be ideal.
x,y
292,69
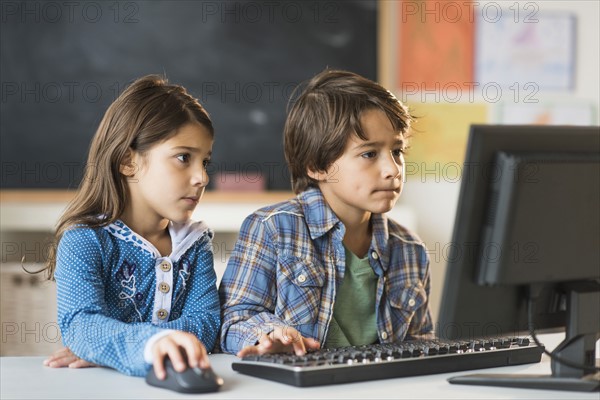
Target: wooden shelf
x,y
64,196
39,210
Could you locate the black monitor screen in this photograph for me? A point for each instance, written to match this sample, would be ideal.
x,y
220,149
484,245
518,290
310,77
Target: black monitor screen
x,y
528,213
543,219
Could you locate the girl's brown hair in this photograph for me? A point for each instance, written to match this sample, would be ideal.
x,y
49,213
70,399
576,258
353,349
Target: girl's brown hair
x,y
326,113
148,112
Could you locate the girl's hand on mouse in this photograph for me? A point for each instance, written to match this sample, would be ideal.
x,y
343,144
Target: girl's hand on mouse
x,y
279,340
65,358
183,349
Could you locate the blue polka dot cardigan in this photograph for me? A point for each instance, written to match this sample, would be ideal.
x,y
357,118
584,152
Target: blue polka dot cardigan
x,y
115,291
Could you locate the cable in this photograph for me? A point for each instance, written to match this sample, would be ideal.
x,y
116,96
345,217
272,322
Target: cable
x,y
530,307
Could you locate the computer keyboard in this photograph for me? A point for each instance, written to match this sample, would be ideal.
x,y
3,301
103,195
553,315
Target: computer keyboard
x,y
383,361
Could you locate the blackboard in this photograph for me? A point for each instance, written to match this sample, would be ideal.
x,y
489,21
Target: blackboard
x,y
63,63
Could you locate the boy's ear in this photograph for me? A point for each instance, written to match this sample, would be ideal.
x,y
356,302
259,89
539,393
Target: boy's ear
x,y
128,166
319,176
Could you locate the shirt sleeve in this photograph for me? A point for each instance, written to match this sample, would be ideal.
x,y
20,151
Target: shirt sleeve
x,y
248,289
83,312
201,311
148,356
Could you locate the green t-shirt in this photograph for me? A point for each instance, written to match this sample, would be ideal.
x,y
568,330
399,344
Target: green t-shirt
x,y
354,320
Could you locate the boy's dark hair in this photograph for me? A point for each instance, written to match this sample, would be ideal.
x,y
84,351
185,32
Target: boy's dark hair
x,y
326,113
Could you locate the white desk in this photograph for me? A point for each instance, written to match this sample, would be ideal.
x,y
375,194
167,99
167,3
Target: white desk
x,y
26,377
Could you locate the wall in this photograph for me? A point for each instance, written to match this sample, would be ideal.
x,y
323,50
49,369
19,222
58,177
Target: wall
x,y
434,196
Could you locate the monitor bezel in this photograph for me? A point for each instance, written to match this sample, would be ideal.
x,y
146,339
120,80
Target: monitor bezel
x,y
469,310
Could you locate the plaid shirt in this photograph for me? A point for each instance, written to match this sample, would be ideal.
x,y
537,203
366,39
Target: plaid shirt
x,y
289,262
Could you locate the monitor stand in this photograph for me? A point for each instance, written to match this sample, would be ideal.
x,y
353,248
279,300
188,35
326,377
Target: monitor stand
x,y
582,332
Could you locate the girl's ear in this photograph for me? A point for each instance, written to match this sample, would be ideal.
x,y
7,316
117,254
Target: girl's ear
x,y
128,166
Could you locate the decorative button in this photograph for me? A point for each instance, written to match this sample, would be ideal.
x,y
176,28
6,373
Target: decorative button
x,y
165,266
374,255
162,313
164,287
411,302
301,278
384,335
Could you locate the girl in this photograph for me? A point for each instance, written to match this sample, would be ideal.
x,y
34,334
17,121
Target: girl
x,y
134,275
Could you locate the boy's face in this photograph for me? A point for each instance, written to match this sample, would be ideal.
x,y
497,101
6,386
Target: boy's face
x,y
367,178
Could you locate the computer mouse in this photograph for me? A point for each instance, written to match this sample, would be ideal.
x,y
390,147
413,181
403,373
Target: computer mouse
x,y
192,380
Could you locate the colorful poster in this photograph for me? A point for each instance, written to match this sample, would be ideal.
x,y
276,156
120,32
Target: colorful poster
x,y
546,114
536,49
439,138
435,44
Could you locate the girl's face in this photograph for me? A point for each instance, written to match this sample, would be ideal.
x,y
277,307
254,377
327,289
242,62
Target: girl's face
x,y
169,180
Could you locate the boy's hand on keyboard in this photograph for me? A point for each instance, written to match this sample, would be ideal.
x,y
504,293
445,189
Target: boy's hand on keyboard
x,y
281,340
65,358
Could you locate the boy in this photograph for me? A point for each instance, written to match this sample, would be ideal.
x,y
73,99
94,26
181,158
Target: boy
x,y
328,267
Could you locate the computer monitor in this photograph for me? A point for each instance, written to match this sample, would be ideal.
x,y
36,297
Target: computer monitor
x,y
527,228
